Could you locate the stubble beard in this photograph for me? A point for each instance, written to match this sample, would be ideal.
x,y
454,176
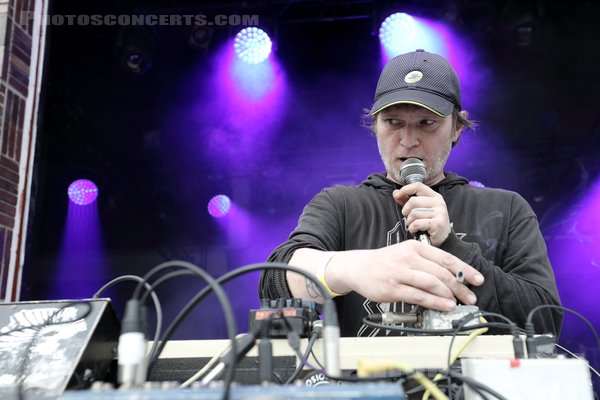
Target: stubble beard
x,y
434,170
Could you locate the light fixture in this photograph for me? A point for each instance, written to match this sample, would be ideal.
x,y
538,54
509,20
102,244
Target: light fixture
x,y
219,206
82,192
252,45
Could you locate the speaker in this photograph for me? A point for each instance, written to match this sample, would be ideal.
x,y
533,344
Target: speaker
x,y
49,346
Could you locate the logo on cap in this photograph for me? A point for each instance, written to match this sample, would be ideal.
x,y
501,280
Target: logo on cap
x,y
413,77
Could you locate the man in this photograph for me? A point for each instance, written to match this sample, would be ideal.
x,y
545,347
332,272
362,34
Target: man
x,y
357,240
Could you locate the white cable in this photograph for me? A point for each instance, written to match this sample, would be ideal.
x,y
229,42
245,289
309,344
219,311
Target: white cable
x,y
577,357
206,368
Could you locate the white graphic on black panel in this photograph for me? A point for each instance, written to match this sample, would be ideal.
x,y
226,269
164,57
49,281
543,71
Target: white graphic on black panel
x,y
34,346
372,307
393,235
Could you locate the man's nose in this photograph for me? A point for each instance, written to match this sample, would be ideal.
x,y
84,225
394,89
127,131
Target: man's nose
x,y
409,137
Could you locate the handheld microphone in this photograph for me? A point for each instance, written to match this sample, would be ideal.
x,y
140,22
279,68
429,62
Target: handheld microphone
x,y
413,170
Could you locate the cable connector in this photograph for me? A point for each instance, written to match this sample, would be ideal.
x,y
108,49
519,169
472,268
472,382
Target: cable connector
x,y
317,327
438,320
519,347
265,360
393,318
463,320
541,346
131,349
331,338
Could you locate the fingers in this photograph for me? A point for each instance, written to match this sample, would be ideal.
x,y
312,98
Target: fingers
x,y
421,280
421,220
445,267
425,211
418,274
420,288
407,192
435,222
453,264
424,204
446,279
425,299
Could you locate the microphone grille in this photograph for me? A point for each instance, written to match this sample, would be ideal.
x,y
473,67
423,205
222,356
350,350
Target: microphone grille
x,y
412,170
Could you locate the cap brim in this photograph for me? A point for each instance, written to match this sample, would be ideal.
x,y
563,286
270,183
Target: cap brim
x,y
430,101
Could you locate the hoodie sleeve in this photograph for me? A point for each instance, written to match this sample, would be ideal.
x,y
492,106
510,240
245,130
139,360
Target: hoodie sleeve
x,y
318,228
520,278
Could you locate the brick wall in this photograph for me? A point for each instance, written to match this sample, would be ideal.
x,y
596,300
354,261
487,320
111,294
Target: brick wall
x,y
18,44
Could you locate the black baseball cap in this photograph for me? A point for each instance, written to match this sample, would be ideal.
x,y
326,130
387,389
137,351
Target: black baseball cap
x,y
422,78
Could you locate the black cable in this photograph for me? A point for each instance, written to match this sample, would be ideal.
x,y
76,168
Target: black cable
x,y
303,360
155,300
503,317
225,305
455,392
167,264
510,326
225,278
317,360
481,393
162,280
294,342
116,280
265,349
420,388
460,394
265,360
454,334
476,385
530,328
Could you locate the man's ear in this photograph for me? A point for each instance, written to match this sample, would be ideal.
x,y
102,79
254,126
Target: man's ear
x,y
459,128
456,135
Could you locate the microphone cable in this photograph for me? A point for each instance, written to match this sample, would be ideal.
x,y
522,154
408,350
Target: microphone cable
x,y
329,311
155,300
223,300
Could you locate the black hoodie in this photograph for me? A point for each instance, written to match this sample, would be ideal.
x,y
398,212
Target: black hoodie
x,y
494,230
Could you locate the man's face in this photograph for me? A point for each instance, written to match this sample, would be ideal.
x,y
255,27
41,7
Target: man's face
x,y
405,131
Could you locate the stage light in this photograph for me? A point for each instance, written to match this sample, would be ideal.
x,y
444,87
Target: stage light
x,y
200,37
82,192
397,33
476,184
252,45
136,50
136,62
401,33
522,22
219,206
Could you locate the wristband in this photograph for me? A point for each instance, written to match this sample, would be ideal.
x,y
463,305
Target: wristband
x,y
321,275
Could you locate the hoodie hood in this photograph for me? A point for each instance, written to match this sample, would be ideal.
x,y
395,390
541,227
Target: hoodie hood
x,y
380,181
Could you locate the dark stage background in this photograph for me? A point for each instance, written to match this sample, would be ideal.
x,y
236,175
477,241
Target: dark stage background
x,y
160,144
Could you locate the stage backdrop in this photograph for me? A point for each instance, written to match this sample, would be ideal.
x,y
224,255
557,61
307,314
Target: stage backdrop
x,y
162,116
